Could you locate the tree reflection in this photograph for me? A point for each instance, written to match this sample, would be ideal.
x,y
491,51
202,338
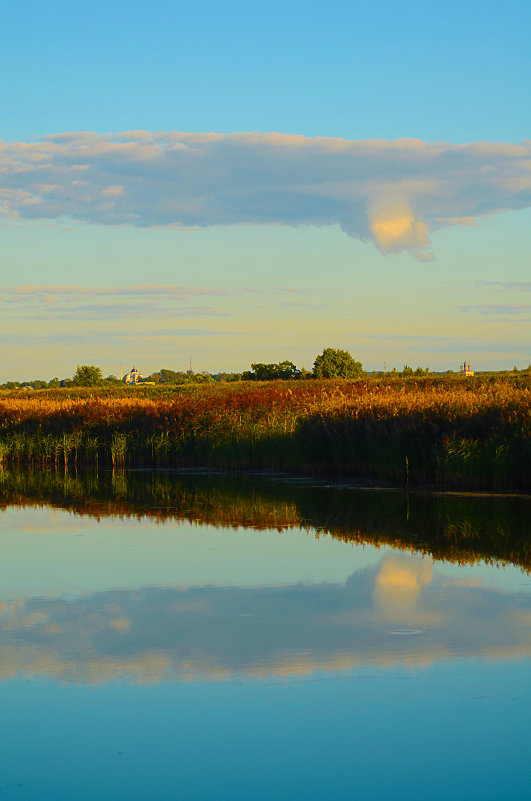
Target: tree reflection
x,y
462,529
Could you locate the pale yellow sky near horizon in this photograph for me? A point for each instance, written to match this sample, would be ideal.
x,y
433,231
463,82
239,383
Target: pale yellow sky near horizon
x,y
229,296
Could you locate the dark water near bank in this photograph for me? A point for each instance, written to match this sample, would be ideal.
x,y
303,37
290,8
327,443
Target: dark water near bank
x,y
198,636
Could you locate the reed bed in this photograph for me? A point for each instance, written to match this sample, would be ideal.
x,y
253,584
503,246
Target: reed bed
x,y
466,434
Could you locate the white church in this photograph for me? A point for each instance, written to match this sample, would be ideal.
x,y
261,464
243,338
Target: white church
x,y
133,377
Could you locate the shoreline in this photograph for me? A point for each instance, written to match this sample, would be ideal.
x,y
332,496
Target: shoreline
x,y
453,436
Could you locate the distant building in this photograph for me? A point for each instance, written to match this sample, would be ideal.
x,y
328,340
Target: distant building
x,y
465,369
134,377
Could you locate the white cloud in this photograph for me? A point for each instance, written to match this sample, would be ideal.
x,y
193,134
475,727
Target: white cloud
x,y
392,193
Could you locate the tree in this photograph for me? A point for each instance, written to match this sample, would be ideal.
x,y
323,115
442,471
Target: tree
x,y
227,376
335,363
407,371
202,378
165,376
87,375
270,372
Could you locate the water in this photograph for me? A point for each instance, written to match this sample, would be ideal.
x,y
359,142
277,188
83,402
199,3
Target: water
x,y
178,635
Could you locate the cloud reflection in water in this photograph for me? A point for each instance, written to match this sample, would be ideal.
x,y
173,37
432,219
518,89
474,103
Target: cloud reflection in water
x,y
401,612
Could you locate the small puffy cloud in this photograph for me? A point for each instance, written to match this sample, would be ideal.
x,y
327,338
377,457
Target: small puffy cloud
x,y
120,624
112,191
393,224
390,193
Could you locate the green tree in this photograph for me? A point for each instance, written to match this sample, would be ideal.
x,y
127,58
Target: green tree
x,y
227,376
202,378
87,375
407,371
335,363
167,376
270,372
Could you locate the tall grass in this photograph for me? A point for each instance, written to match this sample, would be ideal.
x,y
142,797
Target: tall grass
x,y
456,433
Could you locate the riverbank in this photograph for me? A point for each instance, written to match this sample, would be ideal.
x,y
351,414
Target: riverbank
x,y
472,434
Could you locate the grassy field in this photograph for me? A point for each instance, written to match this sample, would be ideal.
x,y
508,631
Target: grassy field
x,y
440,431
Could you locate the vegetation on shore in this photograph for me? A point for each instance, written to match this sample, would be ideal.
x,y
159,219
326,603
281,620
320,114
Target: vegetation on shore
x,y
444,432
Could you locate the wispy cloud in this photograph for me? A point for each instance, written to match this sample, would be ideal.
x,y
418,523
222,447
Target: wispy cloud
x,y
133,302
119,311
68,339
187,332
50,293
313,307
391,193
447,344
53,292
117,338
508,286
498,308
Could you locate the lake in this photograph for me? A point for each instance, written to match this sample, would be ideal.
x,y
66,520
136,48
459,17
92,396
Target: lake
x,y
204,636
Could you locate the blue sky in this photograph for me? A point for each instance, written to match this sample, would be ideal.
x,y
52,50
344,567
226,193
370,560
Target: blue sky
x,y
453,71
425,264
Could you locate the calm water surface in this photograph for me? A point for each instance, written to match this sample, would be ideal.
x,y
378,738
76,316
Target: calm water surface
x,y
196,637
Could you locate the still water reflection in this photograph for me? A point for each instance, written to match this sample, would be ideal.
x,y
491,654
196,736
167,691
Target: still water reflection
x,y
397,610
200,636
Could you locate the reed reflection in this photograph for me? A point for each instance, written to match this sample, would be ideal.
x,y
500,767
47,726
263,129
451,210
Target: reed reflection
x,y
462,529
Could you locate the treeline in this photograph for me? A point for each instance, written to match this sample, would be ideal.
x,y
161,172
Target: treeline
x,y
331,363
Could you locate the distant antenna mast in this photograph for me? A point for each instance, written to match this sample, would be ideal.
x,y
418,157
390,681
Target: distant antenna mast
x,y
385,366
191,364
